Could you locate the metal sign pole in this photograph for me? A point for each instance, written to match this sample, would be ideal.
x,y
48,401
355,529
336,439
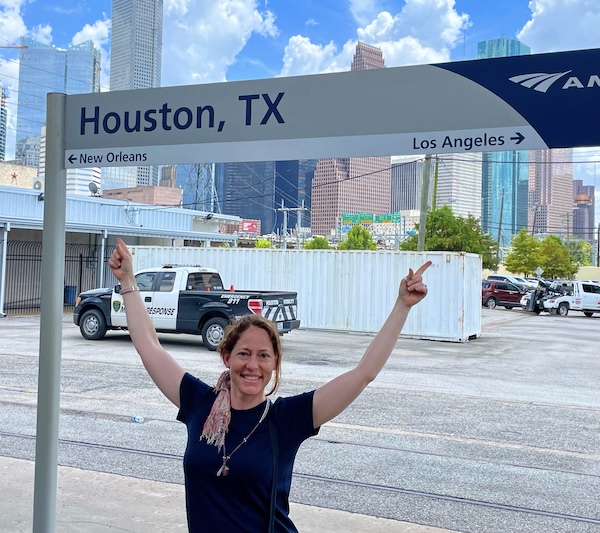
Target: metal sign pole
x,y
53,267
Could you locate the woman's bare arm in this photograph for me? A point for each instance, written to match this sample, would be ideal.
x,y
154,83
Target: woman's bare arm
x,y
163,369
333,397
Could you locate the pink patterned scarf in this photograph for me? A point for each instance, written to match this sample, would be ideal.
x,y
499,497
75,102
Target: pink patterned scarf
x,y
217,423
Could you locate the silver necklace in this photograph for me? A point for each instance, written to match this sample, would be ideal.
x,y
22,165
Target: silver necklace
x,y
224,470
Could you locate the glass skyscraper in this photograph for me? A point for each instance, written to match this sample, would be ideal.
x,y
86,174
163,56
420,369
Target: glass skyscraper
x,y
197,183
136,56
247,190
44,69
293,182
505,175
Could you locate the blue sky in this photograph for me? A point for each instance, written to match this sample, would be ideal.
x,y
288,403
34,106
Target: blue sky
x,y
210,40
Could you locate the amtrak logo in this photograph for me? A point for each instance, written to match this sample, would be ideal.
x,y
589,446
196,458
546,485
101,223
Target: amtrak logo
x,y
538,81
542,81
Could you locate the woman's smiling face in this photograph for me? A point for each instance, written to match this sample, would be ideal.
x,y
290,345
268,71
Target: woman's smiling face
x,y
251,364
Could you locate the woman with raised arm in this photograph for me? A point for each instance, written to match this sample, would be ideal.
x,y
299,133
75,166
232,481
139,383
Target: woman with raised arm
x,y
241,446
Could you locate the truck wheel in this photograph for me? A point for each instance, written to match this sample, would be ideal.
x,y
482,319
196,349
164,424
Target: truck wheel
x,y
93,325
491,302
213,332
563,309
588,313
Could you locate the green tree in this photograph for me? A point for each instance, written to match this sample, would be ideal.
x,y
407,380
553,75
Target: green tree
x,y
317,243
358,238
263,243
581,252
524,257
444,231
555,258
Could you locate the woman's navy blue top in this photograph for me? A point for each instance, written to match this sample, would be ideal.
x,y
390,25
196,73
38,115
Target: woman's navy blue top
x,y
240,501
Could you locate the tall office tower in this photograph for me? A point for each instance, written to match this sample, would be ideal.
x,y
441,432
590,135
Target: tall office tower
x,y
197,182
459,183
551,191
247,190
293,180
168,176
351,185
44,69
136,54
3,117
407,182
584,224
504,174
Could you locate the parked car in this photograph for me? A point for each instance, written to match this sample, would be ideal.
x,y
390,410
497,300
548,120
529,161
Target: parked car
x,y
507,278
504,293
526,282
515,280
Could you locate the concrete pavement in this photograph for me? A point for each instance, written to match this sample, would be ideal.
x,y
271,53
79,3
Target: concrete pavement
x,y
96,502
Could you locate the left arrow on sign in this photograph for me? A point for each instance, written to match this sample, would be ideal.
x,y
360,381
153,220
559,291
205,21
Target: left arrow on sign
x,y
72,159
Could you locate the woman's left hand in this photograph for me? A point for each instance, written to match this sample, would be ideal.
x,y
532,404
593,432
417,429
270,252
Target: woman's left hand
x,y
412,289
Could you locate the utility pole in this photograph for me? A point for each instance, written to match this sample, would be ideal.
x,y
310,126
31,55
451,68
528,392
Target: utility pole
x,y
535,208
285,220
435,184
568,237
598,248
424,204
500,224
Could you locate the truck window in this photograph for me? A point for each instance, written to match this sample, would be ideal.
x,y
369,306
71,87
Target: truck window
x,y
204,281
145,280
167,282
215,283
595,289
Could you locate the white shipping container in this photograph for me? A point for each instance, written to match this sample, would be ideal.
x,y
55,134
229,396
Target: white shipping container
x,y
347,290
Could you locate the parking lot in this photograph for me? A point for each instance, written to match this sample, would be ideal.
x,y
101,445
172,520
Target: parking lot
x,y
498,434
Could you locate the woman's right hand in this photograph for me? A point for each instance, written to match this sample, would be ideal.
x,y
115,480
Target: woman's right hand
x,y
120,262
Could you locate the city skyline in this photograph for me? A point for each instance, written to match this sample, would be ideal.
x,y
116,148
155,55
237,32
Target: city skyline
x,y
326,42
248,39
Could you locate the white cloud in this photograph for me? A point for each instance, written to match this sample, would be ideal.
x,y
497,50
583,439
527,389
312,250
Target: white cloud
x,y
301,56
41,33
562,25
202,38
423,32
98,33
363,11
12,26
586,165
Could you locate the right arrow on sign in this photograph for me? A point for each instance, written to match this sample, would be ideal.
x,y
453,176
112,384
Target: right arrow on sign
x,y
519,138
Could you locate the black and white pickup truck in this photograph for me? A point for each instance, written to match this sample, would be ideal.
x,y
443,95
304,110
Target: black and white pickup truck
x,y
184,300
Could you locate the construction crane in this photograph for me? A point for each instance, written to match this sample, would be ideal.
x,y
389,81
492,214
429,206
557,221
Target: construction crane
x,y
20,47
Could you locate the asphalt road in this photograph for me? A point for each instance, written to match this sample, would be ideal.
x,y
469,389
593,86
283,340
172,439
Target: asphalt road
x,y
501,434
